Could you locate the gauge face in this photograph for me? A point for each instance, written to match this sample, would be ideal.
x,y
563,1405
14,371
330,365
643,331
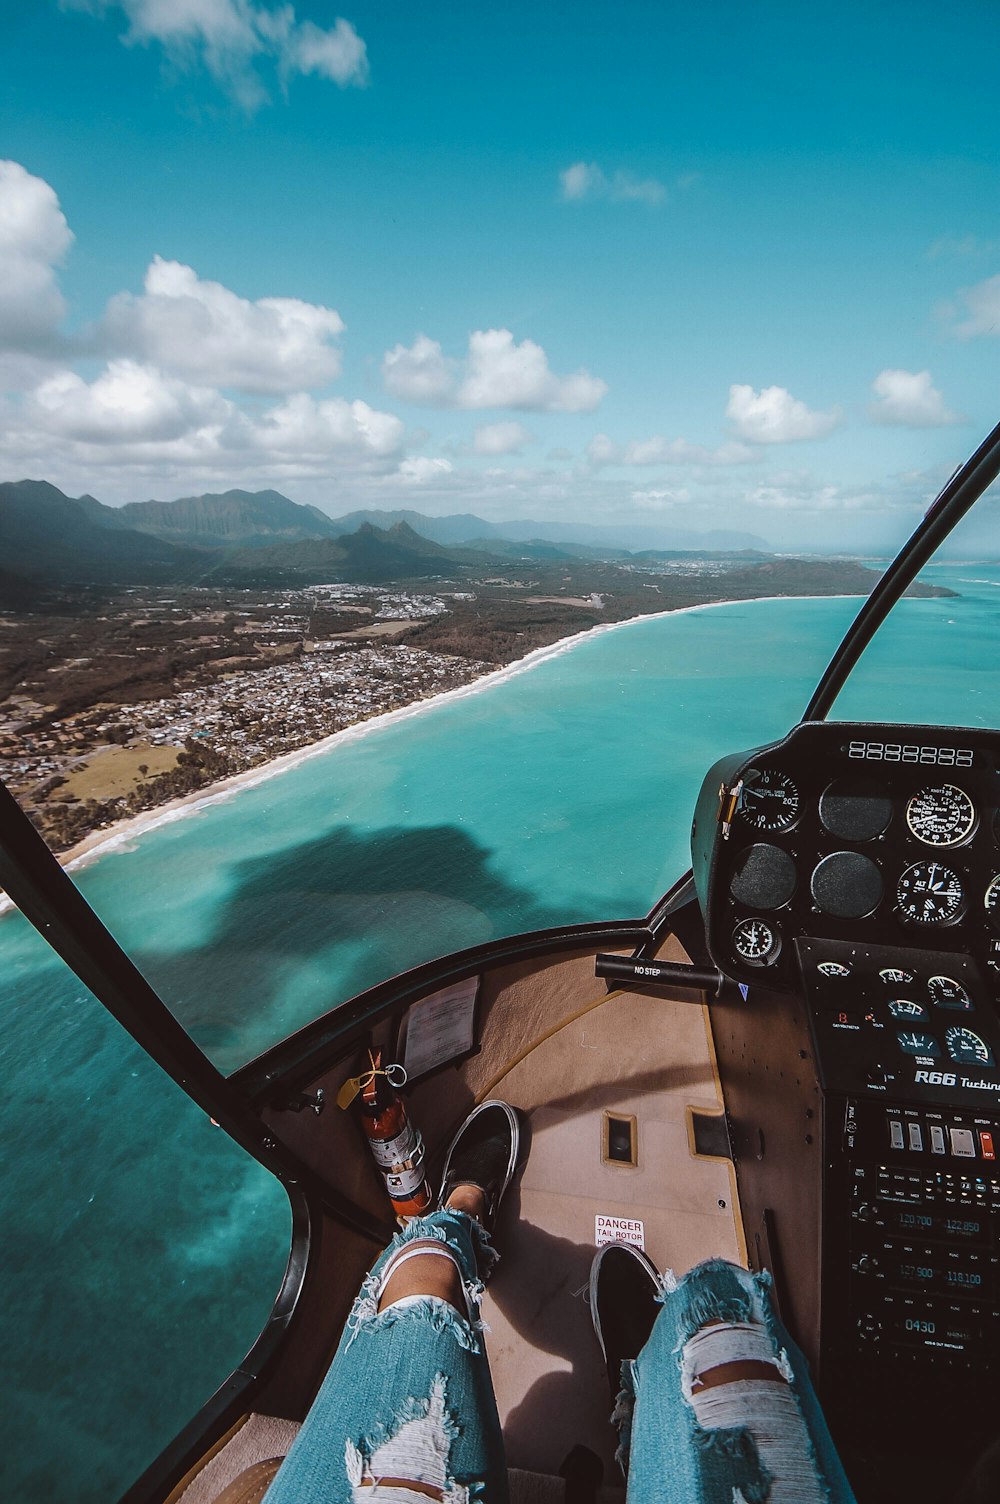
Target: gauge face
x,y
895,976
904,1007
992,901
928,893
913,1043
943,816
769,800
945,992
755,942
833,969
967,1048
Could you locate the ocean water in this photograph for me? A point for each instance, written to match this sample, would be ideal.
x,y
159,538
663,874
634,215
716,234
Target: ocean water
x,y
142,1249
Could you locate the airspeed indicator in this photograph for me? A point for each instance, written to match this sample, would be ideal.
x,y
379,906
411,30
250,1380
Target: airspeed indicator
x,y
943,816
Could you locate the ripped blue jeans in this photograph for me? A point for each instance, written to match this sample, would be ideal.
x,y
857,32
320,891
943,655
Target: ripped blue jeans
x,y
409,1399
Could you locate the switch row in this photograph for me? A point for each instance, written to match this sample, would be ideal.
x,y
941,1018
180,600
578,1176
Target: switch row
x,y
960,1142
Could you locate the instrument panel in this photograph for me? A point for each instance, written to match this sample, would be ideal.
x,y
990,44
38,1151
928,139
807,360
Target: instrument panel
x,y
860,864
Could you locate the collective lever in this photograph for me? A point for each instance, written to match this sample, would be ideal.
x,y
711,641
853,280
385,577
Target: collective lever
x,y
659,974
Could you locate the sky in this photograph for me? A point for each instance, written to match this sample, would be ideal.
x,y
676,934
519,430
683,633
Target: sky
x,y
727,266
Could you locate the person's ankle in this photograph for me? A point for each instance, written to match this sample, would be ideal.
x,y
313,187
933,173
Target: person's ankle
x,y
470,1199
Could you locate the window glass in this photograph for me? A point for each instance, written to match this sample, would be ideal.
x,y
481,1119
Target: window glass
x,y
142,1248
934,661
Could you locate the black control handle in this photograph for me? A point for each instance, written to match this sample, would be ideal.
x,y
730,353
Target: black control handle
x,y
659,974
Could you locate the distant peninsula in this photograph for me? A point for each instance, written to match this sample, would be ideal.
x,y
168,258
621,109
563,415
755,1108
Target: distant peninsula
x,y
149,651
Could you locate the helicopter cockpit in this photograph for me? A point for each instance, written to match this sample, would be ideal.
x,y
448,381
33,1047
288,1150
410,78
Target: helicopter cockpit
x,y
793,1062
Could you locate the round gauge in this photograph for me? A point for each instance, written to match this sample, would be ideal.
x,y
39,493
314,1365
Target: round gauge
x,y
755,942
967,1048
945,992
769,800
903,1007
913,1043
928,893
992,901
943,816
895,976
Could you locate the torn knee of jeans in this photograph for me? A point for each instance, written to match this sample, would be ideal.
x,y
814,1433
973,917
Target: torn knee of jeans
x,y
409,1457
720,1344
438,1314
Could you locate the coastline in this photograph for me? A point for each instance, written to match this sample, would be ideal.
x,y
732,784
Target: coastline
x,y
120,835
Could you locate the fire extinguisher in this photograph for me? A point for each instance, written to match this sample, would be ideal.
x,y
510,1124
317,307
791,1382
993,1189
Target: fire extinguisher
x,y
397,1146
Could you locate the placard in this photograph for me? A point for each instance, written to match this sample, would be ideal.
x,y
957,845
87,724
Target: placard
x,y
440,1027
619,1230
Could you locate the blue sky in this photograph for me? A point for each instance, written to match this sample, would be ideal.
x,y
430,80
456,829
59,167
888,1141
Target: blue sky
x,y
695,266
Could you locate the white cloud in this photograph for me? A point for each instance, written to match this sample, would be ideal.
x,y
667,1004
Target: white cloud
x,y
774,416
203,331
126,403
909,399
586,180
660,451
34,238
420,469
500,438
304,426
660,501
230,39
497,372
420,373
982,304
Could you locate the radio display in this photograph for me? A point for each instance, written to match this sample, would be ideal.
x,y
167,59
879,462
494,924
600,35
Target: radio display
x,y
920,1271
917,1222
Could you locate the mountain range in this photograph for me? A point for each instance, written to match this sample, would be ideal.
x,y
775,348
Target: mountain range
x,y
243,537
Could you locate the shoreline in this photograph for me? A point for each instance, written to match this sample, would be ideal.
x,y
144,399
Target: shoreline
x,y
123,832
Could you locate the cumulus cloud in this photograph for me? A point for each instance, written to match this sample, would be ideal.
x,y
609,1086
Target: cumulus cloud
x,y
304,426
660,501
203,331
587,181
34,238
500,438
909,399
420,469
774,416
127,402
982,307
231,38
660,451
496,372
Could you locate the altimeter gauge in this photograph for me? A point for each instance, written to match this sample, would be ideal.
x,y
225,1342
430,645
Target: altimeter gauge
x,y
769,800
945,992
755,942
929,893
967,1048
942,816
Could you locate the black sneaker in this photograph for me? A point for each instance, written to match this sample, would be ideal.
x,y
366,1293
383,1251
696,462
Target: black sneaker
x,y
483,1153
624,1285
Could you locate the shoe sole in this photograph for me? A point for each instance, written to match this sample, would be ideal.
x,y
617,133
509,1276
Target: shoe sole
x,y
642,1259
515,1143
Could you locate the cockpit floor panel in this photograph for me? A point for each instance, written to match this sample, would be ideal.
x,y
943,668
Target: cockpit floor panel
x,y
640,1056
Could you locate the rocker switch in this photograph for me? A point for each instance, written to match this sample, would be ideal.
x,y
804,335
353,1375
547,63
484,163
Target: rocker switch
x,y
937,1139
916,1136
896,1140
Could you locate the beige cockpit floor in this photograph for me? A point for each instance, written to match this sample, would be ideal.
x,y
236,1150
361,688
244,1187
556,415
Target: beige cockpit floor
x,y
634,1055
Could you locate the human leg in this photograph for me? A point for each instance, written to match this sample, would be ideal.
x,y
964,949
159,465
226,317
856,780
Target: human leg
x,y
718,1406
406,1412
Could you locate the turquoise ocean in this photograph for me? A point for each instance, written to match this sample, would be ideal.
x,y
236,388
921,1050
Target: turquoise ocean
x,y
142,1250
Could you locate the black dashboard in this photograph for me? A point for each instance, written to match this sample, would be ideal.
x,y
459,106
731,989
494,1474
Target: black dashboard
x,y
859,865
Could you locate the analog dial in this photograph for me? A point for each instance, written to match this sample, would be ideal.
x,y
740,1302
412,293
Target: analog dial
x,y
913,1043
895,976
904,1007
992,901
943,816
967,1048
945,992
928,893
755,942
834,969
769,799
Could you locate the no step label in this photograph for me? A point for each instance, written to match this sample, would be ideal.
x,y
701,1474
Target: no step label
x,y
619,1230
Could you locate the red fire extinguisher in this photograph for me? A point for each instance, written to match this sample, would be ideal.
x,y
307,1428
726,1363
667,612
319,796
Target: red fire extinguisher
x,y
397,1146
